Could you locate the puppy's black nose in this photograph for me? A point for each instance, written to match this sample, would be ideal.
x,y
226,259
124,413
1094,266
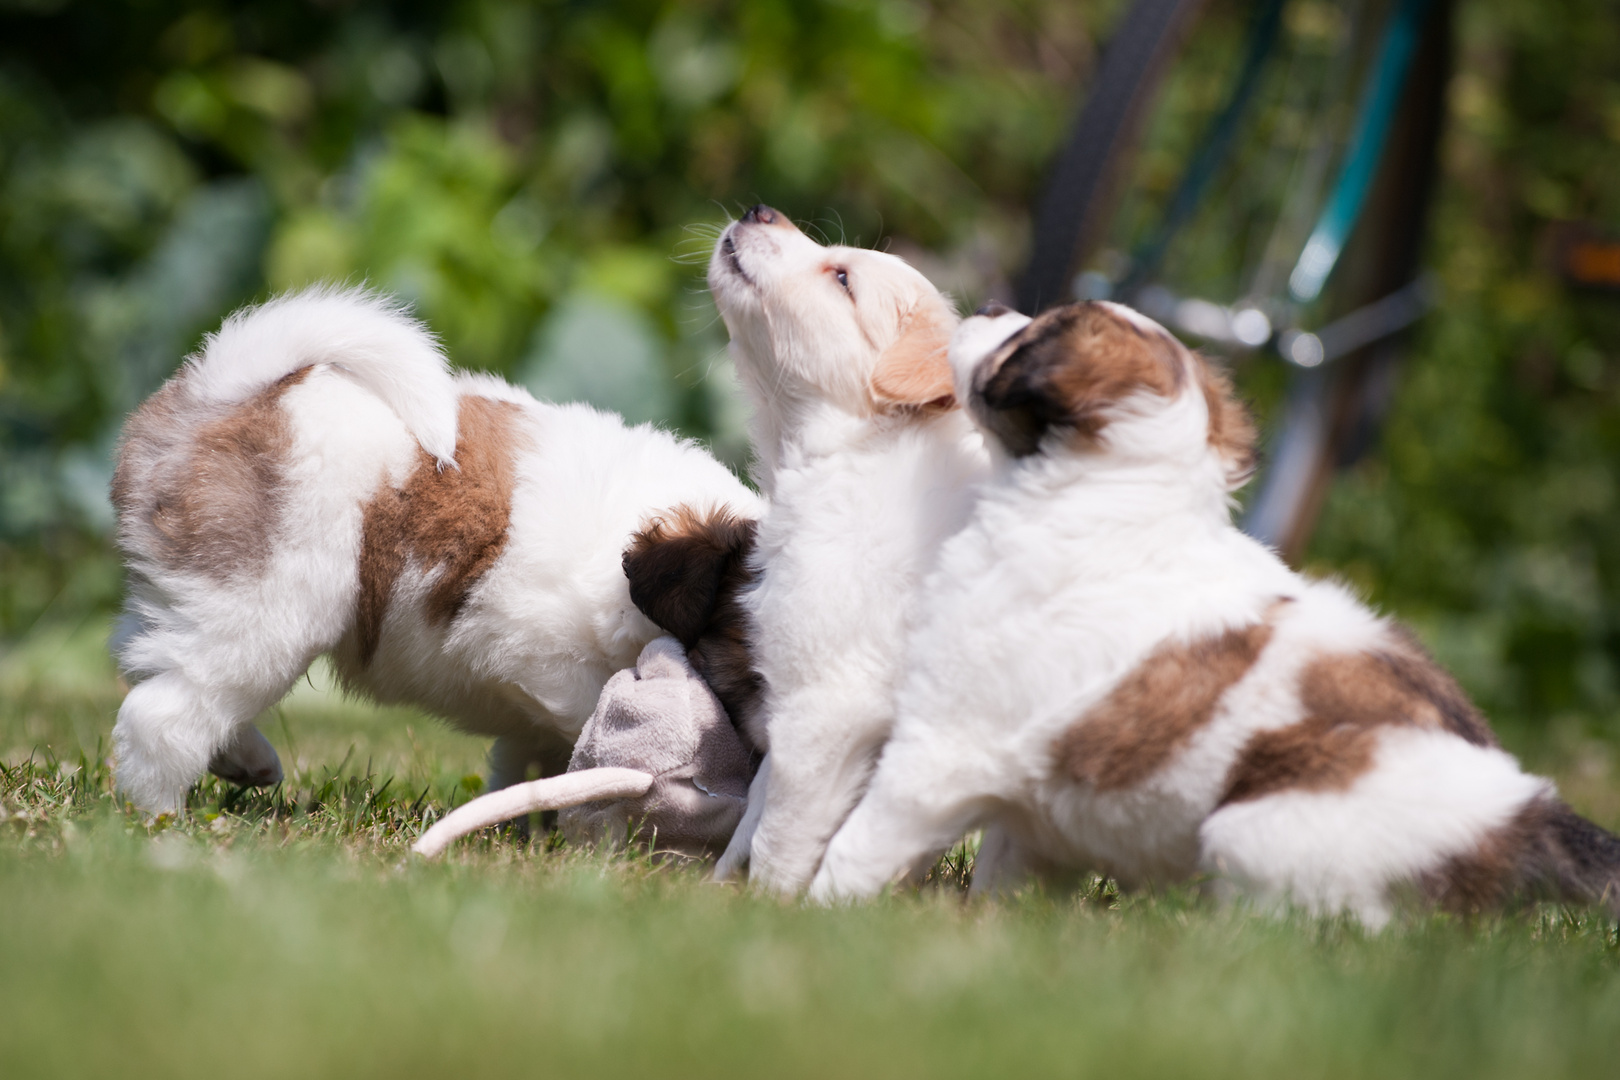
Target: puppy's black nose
x,y
760,214
992,309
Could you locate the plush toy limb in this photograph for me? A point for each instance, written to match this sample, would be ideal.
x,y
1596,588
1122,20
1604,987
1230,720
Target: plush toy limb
x,y
551,793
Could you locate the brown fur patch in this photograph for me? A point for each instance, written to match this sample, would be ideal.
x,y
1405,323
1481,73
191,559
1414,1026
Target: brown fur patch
x,y
1316,754
454,520
210,495
1418,672
1346,698
1068,369
1134,731
915,372
686,572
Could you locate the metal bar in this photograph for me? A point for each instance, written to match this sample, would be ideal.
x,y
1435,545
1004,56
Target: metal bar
x,y
1212,149
1373,122
1081,175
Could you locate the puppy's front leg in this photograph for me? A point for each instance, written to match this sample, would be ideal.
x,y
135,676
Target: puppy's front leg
x,y
819,767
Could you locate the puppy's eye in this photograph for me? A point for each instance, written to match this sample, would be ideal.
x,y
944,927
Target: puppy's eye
x,y
843,277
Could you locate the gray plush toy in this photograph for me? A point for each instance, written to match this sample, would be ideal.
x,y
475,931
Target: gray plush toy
x,y
658,761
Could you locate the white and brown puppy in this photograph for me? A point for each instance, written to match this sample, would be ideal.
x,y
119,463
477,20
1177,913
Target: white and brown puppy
x,y
867,463
317,480
1120,680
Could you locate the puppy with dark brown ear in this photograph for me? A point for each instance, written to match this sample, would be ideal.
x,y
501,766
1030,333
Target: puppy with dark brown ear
x,y
687,572
1113,677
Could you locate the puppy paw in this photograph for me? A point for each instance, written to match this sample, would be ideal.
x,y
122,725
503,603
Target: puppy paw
x,y
249,760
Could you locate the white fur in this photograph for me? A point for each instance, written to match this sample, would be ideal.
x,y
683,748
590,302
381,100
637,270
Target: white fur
x,y
368,336
861,497
1076,565
543,628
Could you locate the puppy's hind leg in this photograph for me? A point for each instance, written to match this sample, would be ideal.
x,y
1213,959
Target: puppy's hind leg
x,y
1003,865
170,731
192,710
512,756
248,760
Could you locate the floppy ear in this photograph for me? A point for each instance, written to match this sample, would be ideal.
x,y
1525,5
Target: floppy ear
x,y
675,567
915,371
1068,369
1017,402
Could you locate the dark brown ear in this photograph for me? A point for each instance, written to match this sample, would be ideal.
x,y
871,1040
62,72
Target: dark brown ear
x,y
915,372
1066,370
676,565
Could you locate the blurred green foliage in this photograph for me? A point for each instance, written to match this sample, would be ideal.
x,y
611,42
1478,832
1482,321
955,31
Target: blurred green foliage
x,y
535,177
538,178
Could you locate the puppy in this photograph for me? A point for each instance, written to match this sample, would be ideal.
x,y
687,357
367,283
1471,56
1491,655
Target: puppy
x,y
1119,679
316,480
867,463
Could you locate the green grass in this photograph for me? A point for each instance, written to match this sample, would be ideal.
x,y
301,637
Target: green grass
x,y
289,933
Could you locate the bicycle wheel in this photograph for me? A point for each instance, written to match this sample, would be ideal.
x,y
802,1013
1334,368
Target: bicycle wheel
x,y
1332,413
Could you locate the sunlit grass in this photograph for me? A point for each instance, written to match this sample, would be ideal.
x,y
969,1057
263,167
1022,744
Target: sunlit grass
x,y
289,932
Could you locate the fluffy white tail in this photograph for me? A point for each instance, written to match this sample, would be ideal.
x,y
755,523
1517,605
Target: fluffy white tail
x,y
370,337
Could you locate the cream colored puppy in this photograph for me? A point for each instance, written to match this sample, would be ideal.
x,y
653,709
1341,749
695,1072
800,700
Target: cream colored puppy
x,y
868,464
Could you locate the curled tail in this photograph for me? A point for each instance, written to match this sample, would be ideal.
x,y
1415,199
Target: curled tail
x,y
370,337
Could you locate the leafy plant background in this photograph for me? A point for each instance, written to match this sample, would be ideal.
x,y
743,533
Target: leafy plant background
x,y
537,178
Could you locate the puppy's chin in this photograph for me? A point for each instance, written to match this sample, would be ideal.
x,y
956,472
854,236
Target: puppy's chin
x,y
975,339
732,286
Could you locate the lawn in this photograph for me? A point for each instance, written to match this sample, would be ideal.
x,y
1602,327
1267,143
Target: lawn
x,y
291,933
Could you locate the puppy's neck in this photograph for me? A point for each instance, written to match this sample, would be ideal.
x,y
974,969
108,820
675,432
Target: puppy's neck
x,y
1123,492
792,427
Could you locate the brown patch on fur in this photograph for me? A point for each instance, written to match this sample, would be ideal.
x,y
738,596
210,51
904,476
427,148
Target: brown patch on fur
x,y
1544,850
1134,731
1231,431
1316,754
1346,698
1069,368
1411,663
686,572
211,495
454,520
915,372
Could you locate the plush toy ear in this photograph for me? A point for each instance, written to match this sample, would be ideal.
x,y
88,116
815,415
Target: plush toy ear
x,y
915,371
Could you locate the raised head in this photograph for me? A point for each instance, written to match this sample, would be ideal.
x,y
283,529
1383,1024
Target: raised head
x,y
810,323
1097,378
